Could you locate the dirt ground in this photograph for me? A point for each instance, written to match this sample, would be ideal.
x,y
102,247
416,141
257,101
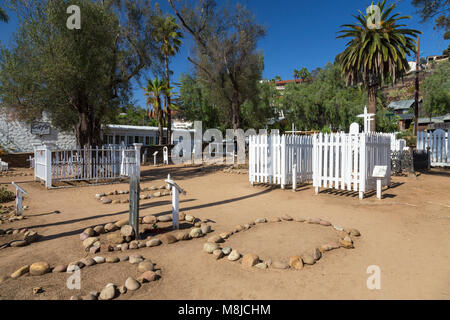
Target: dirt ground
x,y
406,234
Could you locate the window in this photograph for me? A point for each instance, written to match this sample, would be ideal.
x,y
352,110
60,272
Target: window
x,y
130,140
147,140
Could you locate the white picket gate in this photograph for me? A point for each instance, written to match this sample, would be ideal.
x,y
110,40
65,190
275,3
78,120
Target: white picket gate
x,y
271,158
346,161
93,164
439,143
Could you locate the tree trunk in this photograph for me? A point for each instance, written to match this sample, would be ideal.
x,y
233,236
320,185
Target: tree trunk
x,y
160,122
235,111
372,90
167,101
88,129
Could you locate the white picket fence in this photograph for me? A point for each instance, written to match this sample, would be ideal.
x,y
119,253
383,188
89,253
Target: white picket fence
x,y
271,158
93,164
346,161
3,165
439,143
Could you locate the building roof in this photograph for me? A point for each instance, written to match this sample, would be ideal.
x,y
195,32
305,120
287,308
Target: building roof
x,y
405,116
441,119
283,82
140,128
402,104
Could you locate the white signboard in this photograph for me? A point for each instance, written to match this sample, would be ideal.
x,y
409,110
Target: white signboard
x,y
40,128
379,171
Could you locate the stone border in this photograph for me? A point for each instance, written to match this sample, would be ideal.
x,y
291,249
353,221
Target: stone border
x,y
103,196
29,236
125,240
147,267
295,262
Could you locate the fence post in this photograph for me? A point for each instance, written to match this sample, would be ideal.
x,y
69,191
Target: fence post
x,y
294,177
48,165
134,203
137,148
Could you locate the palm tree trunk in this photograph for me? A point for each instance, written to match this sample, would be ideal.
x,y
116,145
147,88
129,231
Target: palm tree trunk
x,y
160,122
167,100
372,91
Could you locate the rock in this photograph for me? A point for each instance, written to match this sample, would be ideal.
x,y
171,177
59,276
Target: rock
x,y
18,243
115,238
354,232
249,260
109,227
145,266
151,219
134,244
39,268
90,232
94,249
37,290
206,228
226,251
261,220
115,201
112,259
136,258
100,195
209,247
131,284
31,236
325,223
300,219
274,219
125,201
122,222
127,231
156,194
122,289
225,235
59,268
195,233
165,218
346,244
217,254
234,255
106,201
215,239
287,217
296,262
313,221
324,248
168,238
99,260
153,243
73,266
87,243
148,276
83,236
182,235
108,293
261,265
89,297
247,226
308,259
238,228
20,272
189,218
316,254
181,216
124,258
338,228
75,298
141,244
88,262
198,224
279,265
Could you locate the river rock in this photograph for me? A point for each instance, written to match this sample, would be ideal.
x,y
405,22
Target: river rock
x,y
279,265
131,284
209,247
145,266
225,235
217,254
296,262
181,216
215,239
308,259
136,258
189,218
354,232
106,201
287,217
148,276
18,243
87,243
261,220
226,250
112,259
346,244
249,260
90,232
165,218
109,292
153,243
88,262
316,254
182,235
99,260
300,219
115,238
109,227
156,194
325,223
274,219
83,236
122,222
127,231
124,258
261,266
195,233
168,238
134,244
59,268
31,236
234,255
150,219
206,228
20,272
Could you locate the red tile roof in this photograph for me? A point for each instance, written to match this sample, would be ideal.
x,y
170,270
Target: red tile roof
x,y
283,82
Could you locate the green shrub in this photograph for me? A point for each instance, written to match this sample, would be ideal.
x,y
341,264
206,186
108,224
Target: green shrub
x,y
6,195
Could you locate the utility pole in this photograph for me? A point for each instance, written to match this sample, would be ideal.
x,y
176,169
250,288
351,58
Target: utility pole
x,y
416,88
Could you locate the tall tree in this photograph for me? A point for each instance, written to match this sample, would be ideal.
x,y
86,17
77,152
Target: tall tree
x,y
168,35
226,59
436,91
304,73
296,74
435,9
79,77
154,90
3,16
376,52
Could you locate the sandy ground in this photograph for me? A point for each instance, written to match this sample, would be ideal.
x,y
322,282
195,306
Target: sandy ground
x,y
406,234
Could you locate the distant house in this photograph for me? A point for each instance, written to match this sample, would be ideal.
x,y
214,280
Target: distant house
x,y
280,85
402,109
433,123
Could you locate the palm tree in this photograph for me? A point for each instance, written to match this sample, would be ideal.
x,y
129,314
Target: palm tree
x,y
376,52
169,36
155,88
3,16
304,73
278,78
296,74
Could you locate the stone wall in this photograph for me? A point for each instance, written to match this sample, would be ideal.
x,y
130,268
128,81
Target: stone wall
x,y
16,136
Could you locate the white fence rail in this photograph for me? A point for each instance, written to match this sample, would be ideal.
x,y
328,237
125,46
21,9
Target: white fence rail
x,y
271,158
106,163
346,161
439,143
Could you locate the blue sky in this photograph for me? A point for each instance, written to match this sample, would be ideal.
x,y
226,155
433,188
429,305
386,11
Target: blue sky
x,y
300,33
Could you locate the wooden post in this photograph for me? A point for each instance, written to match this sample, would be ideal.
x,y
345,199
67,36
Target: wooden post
x,y
19,197
416,88
379,188
134,203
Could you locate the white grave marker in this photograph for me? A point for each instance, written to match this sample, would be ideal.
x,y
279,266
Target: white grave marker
x,y
19,193
379,172
154,157
175,202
